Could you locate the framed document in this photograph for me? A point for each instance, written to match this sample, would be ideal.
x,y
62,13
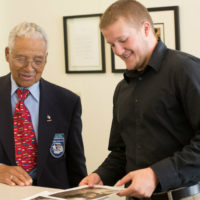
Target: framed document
x,y
84,44
166,24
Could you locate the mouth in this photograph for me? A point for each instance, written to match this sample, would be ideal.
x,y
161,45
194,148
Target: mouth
x,y
27,77
126,55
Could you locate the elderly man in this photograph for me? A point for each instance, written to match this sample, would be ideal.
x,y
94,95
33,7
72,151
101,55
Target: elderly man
x,y
40,123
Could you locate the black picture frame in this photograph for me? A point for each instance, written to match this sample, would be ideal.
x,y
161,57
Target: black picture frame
x,y
166,19
84,44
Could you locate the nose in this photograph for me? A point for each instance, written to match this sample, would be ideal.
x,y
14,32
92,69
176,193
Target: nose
x,y
29,66
118,49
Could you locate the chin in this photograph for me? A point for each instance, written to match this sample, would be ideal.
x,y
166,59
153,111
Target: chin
x,y
130,67
26,85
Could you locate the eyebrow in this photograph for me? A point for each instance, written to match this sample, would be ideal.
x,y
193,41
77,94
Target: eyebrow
x,y
21,55
118,39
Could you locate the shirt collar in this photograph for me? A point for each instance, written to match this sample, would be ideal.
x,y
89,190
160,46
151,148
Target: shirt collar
x,y
157,56
34,89
154,62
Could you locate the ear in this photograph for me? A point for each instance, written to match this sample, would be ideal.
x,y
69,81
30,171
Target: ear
x,y
146,28
7,53
46,57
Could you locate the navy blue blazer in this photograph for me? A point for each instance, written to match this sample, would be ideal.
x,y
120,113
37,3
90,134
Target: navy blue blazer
x,y
59,124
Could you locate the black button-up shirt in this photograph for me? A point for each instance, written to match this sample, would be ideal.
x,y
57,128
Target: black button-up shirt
x,y
156,121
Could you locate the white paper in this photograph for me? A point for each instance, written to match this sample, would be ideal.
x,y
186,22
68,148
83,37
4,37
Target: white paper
x,y
40,196
83,43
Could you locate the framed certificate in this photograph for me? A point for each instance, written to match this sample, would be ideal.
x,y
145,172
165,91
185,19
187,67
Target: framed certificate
x,y
84,44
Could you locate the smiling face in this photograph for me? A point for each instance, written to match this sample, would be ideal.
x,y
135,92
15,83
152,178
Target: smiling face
x,y
27,60
129,43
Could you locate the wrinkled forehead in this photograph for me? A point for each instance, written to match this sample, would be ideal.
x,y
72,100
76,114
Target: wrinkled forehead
x,y
29,43
29,46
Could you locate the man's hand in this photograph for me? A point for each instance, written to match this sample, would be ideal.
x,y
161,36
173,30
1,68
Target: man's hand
x,y
143,183
91,180
14,175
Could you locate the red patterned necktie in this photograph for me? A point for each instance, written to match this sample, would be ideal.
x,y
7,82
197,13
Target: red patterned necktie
x,y
25,141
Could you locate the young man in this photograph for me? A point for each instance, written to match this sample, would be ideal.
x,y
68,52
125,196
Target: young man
x,y
155,134
40,123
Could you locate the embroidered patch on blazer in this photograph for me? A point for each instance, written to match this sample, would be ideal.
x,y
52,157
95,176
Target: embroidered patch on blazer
x,y
58,145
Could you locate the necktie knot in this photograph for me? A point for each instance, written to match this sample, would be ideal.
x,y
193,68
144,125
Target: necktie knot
x,y
22,93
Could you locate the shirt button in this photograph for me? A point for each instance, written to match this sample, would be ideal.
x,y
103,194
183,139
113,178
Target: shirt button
x,y
137,122
140,78
136,100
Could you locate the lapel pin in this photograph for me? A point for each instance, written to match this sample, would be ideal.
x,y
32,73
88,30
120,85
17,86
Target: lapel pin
x,y
49,118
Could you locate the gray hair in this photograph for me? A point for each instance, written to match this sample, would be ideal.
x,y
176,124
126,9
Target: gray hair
x,y
27,30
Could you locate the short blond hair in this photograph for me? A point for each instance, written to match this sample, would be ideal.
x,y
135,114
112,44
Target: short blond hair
x,y
133,11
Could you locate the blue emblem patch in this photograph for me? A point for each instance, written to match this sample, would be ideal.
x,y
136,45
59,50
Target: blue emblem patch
x,y
58,145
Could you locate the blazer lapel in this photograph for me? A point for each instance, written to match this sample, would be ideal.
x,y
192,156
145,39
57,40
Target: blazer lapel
x,y
6,119
46,128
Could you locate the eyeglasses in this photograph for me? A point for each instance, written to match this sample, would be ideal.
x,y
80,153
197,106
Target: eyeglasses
x,y
23,61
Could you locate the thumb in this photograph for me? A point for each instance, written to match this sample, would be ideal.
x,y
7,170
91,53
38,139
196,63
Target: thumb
x,y
83,182
124,180
94,179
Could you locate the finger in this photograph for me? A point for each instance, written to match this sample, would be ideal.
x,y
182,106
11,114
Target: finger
x,y
100,183
84,181
124,180
18,181
126,192
9,181
22,180
91,180
21,176
94,179
14,175
133,191
27,179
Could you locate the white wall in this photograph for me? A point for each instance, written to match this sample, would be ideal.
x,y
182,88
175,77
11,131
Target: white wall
x,y
96,90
